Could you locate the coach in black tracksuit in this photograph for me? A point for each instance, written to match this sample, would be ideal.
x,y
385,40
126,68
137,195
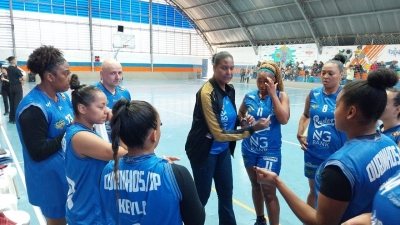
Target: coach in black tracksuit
x,y
15,77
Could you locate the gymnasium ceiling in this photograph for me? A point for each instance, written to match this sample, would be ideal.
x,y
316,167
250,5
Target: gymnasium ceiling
x,y
235,23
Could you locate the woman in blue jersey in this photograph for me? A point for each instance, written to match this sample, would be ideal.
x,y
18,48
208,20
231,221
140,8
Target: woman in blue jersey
x,y
391,116
86,154
42,117
348,180
263,148
322,138
141,188
386,207
212,138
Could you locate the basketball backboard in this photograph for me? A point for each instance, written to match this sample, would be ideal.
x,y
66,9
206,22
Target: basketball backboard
x,y
121,40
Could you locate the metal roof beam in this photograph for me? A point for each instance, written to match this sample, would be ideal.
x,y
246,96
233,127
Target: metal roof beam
x,y
281,41
242,25
255,25
356,14
248,11
192,23
307,18
197,6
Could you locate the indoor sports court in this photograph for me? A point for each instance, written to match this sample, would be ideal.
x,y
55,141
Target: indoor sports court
x,y
166,49
174,100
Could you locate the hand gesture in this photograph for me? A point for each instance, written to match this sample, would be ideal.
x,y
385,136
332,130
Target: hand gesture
x,y
265,177
271,87
262,123
246,121
303,142
171,159
109,114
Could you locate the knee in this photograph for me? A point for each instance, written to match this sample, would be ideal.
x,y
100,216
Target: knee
x,y
269,193
255,186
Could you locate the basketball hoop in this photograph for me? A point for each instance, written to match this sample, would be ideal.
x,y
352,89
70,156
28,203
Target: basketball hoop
x,y
125,41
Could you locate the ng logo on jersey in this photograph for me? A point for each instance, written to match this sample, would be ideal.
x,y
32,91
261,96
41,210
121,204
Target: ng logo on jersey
x,y
63,96
60,124
315,106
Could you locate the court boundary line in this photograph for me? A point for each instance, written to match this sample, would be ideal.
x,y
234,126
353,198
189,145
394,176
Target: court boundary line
x,y
37,210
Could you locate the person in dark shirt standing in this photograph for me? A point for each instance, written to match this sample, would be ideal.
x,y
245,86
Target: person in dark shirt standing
x,y
5,88
15,78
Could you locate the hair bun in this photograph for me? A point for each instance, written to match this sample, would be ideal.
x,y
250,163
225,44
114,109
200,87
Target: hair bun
x,y
382,78
74,83
341,58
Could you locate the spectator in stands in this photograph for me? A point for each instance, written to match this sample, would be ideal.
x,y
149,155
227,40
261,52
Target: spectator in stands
x,y
254,75
358,68
42,118
394,66
320,65
242,74
382,65
301,66
315,68
15,77
374,66
289,73
349,74
5,88
295,71
248,75
306,75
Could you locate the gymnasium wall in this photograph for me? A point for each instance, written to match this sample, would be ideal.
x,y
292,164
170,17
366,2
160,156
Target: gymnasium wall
x,y
65,24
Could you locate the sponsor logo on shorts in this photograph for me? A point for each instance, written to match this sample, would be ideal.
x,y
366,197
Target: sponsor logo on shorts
x,y
310,172
245,160
272,159
310,165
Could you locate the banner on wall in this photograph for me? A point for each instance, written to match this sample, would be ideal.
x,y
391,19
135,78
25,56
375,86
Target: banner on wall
x,y
307,53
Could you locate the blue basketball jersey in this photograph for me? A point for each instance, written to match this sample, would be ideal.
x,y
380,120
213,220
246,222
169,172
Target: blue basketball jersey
x,y
45,180
227,121
393,133
84,205
386,208
269,139
367,162
323,138
147,191
120,92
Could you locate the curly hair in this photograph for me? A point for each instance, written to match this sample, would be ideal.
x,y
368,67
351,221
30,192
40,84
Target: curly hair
x,y
46,58
275,69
